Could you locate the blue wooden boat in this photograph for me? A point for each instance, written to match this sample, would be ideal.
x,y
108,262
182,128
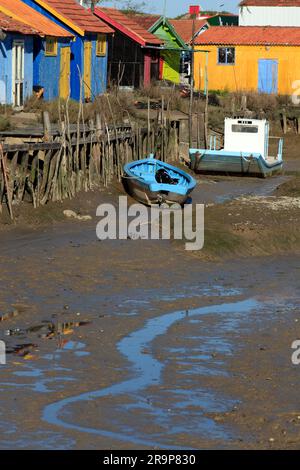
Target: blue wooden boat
x,y
152,181
246,151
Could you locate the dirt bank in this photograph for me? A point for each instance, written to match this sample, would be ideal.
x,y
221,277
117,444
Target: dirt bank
x,y
289,189
52,213
254,225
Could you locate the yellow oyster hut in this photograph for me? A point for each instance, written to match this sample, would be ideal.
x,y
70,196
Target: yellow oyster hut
x,y
249,58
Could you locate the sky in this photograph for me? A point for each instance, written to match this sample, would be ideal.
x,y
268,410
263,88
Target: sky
x,y
177,7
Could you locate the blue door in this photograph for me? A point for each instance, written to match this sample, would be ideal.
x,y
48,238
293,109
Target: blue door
x,y
267,75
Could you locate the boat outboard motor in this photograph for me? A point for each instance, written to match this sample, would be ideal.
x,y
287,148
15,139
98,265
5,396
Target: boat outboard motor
x,y
162,176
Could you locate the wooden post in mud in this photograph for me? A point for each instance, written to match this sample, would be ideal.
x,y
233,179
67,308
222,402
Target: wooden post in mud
x,y
162,110
6,185
98,125
148,128
244,102
206,102
198,130
284,123
162,146
191,104
46,126
233,105
298,125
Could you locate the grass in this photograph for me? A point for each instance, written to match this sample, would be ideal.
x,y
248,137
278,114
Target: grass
x,y
290,188
112,106
5,113
117,105
221,243
222,103
4,123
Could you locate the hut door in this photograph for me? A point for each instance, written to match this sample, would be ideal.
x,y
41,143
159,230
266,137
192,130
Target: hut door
x,y
18,74
87,69
64,78
267,76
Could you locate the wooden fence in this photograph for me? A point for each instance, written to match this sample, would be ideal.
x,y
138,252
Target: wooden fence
x,y
51,164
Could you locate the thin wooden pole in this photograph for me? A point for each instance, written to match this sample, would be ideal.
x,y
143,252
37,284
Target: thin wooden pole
x,y
206,102
192,85
162,156
284,123
148,128
8,194
47,126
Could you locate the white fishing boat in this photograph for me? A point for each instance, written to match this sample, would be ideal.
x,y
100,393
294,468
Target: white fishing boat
x,y
246,150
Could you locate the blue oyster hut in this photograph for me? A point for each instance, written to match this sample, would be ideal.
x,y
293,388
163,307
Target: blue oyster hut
x,y
88,50
27,55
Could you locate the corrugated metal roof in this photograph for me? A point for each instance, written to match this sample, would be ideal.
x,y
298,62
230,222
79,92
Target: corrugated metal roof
x,y
74,13
271,3
7,23
250,35
127,26
25,14
185,28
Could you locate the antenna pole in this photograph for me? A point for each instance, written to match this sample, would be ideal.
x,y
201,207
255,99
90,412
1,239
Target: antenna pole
x,y
165,8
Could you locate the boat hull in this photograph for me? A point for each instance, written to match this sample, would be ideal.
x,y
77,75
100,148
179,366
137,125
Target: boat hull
x,y
142,193
220,162
144,181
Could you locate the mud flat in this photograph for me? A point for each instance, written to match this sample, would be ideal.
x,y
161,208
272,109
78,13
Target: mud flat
x,y
263,221
137,344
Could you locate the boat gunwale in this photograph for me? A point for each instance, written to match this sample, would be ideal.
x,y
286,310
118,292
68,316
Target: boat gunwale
x,y
190,180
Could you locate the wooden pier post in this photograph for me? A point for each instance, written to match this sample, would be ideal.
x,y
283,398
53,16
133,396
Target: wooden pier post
x,y
46,126
6,184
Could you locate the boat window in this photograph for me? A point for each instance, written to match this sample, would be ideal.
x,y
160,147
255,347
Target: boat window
x,y
246,129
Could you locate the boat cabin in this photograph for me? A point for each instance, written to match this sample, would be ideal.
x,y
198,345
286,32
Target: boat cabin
x,y
248,135
245,151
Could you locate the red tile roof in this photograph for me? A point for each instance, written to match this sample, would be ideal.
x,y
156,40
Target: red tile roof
x,y
21,12
184,28
250,35
71,11
127,26
271,3
7,23
146,21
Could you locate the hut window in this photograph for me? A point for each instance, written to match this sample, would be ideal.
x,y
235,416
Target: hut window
x,y
101,45
51,46
226,55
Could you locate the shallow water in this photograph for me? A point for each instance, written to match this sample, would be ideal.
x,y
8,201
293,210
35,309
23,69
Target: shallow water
x,y
145,371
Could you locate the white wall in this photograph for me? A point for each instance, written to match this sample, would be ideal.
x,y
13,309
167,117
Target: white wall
x,y
269,16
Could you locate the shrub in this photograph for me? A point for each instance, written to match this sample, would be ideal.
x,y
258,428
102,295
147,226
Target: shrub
x,y
4,123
